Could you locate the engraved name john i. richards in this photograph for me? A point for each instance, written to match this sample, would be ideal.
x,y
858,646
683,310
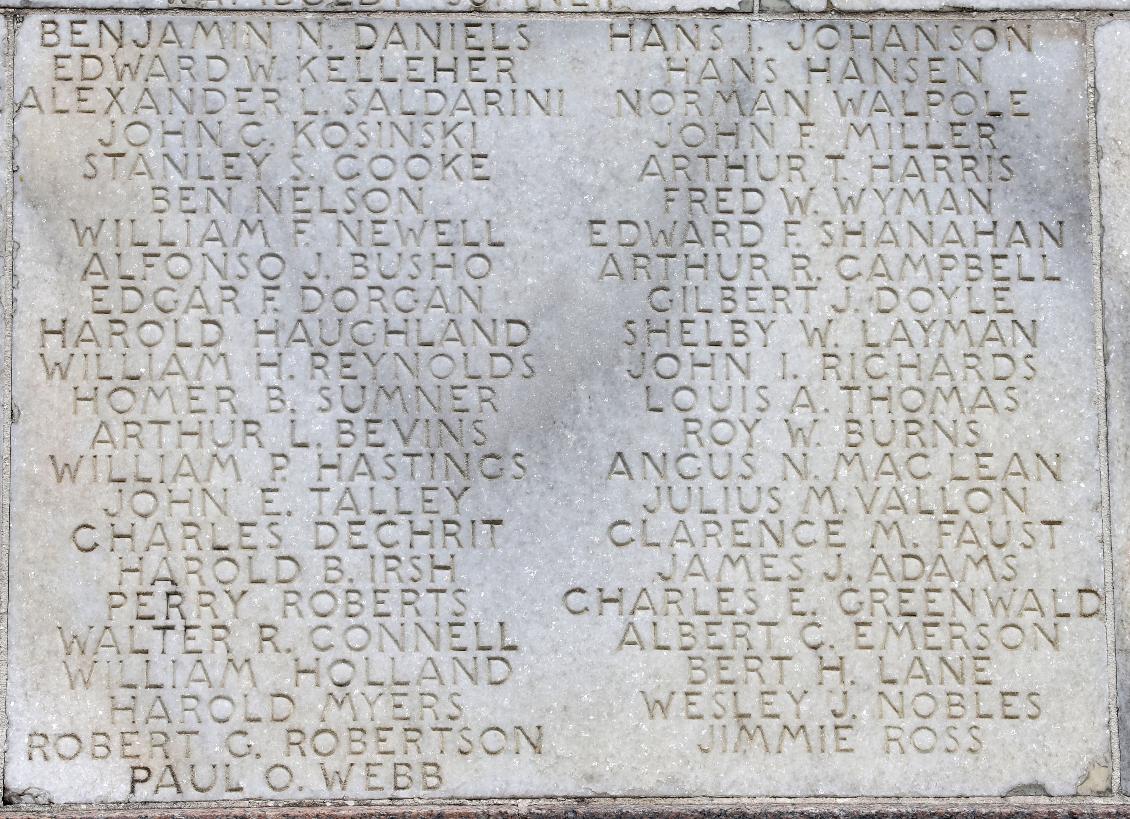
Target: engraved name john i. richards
x,y
507,406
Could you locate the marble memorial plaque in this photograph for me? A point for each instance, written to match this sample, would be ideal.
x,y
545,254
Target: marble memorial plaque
x,y
417,406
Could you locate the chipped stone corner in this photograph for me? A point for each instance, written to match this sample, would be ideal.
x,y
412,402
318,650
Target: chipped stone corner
x,y
1027,789
806,6
27,796
1096,780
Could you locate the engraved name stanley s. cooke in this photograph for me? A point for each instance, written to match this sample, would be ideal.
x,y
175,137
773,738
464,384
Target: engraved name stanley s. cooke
x,y
511,406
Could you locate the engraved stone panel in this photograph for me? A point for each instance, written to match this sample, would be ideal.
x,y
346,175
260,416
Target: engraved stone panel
x,y
425,406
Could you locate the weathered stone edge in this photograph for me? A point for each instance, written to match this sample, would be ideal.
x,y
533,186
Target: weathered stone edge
x,y
617,809
1111,202
767,8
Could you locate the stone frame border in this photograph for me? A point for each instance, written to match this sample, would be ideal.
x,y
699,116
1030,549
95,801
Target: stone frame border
x,y
627,808
1094,14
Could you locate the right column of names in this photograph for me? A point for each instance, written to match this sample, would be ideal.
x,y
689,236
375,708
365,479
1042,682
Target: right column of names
x,y
849,289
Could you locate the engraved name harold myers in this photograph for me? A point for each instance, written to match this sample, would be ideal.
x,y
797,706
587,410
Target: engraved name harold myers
x,y
418,406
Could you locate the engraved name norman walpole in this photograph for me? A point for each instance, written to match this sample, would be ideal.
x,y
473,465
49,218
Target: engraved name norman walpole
x,y
424,406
